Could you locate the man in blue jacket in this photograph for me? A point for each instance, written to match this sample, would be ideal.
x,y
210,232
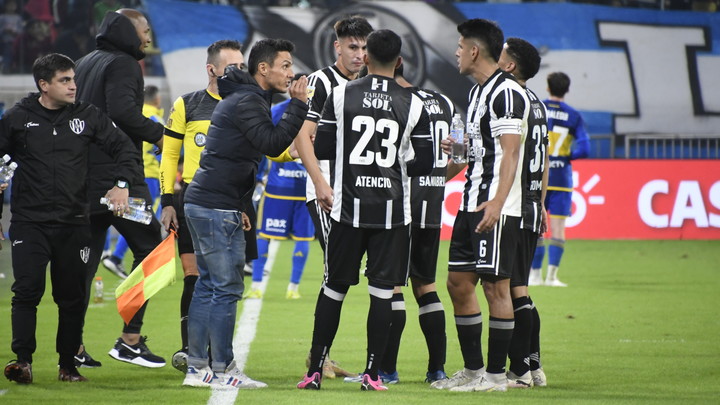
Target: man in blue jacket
x,y
241,132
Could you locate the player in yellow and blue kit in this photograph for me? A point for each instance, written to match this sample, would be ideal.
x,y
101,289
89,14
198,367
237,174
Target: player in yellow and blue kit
x,y
568,141
282,215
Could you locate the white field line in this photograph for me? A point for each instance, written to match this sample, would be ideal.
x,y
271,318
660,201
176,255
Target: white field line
x,y
244,335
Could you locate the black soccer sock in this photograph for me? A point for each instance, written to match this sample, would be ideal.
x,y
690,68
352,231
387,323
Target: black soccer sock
x,y
535,338
499,337
469,331
378,324
327,320
185,298
397,325
432,323
519,353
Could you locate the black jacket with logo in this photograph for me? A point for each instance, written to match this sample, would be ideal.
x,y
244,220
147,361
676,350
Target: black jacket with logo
x,y
111,79
241,132
50,182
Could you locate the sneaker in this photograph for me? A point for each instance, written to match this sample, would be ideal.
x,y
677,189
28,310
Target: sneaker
x,y
179,361
535,277
138,354
85,360
105,254
432,376
389,378
461,377
538,378
555,283
19,371
368,384
114,264
310,383
198,377
292,295
254,294
70,375
234,378
515,381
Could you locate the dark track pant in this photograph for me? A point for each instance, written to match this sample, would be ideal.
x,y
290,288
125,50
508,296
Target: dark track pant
x,y
66,248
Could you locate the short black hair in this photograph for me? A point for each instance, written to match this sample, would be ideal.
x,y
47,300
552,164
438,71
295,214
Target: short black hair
x,y
526,57
485,31
151,92
383,46
214,49
45,67
558,84
266,50
352,27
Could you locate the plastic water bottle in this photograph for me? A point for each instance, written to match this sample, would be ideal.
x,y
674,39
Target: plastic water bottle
x,y
98,298
457,134
7,171
137,210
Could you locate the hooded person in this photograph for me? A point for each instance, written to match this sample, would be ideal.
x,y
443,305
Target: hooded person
x,y
111,78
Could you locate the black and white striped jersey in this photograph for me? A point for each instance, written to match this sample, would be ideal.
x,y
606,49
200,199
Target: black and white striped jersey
x,y
498,107
367,128
427,193
320,84
533,165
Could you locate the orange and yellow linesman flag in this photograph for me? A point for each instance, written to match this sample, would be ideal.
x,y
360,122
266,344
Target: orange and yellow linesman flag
x,y
156,272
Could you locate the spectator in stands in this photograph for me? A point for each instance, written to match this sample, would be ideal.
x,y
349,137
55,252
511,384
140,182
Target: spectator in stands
x,y
11,25
31,44
75,42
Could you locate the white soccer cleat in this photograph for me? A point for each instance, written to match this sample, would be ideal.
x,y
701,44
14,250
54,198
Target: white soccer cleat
x,y
515,381
535,277
460,378
538,377
555,283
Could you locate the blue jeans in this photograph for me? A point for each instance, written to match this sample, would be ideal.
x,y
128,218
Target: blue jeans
x,y
219,244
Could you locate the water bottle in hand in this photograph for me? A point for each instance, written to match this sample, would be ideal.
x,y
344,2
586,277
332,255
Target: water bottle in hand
x,y
7,171
137,210
457,135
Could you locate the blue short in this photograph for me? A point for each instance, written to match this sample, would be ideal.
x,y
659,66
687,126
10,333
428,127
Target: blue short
x,y
283,219
558,203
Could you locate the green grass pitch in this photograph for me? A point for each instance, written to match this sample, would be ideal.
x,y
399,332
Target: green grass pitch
x,y
637,325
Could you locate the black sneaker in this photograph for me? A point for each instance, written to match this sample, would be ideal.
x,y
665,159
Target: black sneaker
x,y
85,360
138,354
19,371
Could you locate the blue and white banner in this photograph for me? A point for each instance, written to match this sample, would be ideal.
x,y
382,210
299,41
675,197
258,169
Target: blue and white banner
x,y
632,71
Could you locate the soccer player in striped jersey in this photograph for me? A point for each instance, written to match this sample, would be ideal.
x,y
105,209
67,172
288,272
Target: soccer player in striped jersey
x,y
520,58
350,35
486,234
568,141
186,130
367,128
427,194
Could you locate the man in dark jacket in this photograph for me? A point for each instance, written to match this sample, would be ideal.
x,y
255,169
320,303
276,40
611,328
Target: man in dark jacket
x,y
49,135
110,78
241,131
